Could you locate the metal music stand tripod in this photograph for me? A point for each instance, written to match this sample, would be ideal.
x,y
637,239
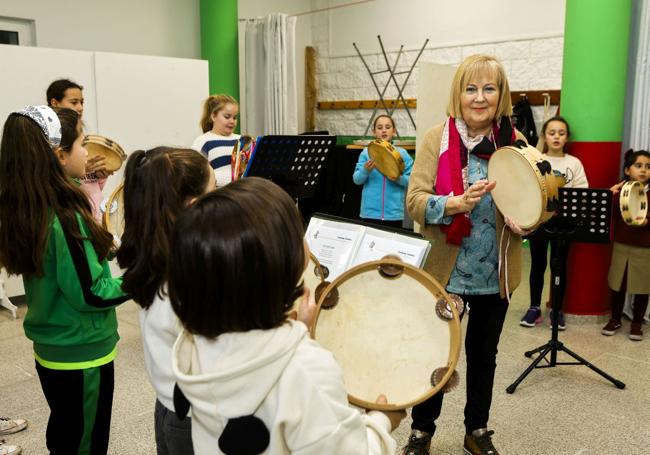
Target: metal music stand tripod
x,y
583,216
295,163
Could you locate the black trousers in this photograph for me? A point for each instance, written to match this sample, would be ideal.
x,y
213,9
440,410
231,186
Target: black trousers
x,y
80,404
538,249
486,316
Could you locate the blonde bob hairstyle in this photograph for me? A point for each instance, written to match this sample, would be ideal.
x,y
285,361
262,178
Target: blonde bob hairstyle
x,y
473,66
214,103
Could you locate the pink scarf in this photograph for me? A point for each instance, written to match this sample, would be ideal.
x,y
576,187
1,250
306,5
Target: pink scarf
x,y
452,168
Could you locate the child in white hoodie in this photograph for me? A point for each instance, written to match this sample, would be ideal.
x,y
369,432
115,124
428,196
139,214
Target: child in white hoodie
x,y
256,382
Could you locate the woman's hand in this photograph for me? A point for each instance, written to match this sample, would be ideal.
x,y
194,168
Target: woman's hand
x,y
617,188
395,417
370,165
468,200
514,227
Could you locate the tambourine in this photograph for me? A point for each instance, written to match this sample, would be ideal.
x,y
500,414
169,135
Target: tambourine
x,y
109,149
394,331
113,209
527,188
633,203
387,159
240,156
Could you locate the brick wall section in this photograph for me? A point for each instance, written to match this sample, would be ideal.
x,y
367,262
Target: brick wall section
x,y
531,64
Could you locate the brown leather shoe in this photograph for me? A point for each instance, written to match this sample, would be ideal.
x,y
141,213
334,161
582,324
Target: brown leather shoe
x,y
479,442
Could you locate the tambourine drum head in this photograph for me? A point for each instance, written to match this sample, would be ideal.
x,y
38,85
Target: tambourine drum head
x,y
387,158
113,220
111,151
386,335
518,193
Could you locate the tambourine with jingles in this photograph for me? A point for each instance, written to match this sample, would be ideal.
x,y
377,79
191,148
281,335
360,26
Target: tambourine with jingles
x,y
386,157
113,208
527,188
633,203
394,331
313,278
109,149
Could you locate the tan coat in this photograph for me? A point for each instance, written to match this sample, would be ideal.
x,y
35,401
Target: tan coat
x,y
442,257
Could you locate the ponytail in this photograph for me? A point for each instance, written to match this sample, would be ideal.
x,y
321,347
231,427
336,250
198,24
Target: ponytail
x,y
157,186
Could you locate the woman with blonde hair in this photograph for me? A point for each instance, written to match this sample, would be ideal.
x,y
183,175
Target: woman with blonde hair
x,y
449,196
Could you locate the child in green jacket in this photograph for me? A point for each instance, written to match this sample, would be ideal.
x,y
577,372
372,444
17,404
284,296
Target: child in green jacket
x,y
48,234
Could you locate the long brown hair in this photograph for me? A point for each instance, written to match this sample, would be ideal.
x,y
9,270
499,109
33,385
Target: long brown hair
x,y
33,189
157,186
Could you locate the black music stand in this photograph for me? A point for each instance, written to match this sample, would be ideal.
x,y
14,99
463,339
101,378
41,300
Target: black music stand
x,y
295,163
583,216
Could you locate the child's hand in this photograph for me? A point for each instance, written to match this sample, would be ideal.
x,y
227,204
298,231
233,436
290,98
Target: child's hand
x,y
617,188
103,173
370,165
95,163
395,417
307,308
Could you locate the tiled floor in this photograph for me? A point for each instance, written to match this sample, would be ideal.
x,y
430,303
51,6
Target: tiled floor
x,y
562,410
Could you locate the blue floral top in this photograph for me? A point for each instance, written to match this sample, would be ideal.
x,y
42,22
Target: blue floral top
x,y
476,270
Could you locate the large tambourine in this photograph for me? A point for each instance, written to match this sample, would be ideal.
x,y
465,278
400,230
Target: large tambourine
x,y
113,213
386,157
633,203
527,188
394,331
109,149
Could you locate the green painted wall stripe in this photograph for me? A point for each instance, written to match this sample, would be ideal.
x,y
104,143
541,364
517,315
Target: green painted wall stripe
x,y
594,68
219,45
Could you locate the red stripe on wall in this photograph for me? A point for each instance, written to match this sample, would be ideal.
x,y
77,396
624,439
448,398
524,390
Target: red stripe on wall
x,y
587,292
602,161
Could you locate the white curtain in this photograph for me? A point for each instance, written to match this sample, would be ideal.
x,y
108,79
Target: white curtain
x,y
271,92
638,94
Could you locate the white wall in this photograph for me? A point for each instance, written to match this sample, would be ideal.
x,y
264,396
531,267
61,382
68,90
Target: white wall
x,y
526,35
251,9
445,23
151,27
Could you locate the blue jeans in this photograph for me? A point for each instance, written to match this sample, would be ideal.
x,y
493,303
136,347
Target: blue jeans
x,y
173,436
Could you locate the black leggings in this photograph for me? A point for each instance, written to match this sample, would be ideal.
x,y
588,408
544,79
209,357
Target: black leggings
x,y
538,248
486,316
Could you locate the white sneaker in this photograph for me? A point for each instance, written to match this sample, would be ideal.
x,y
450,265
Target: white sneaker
x,y
6,449
9,426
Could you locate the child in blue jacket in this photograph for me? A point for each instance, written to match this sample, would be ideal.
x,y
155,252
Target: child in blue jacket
x,y
382,198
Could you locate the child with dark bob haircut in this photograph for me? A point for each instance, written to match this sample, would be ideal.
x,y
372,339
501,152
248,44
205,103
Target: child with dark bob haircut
x,y
255,380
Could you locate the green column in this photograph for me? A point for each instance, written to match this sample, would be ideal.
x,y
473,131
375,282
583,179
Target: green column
x,y
594,68
219,45
594,71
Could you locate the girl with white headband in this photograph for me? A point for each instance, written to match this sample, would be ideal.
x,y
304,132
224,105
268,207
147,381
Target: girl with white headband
x,y
47,234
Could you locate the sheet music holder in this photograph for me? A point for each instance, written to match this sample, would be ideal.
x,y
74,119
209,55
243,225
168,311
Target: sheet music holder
x,y
340,243
584,215
295,163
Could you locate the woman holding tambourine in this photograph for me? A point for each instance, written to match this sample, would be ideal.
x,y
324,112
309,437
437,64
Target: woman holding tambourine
x,y
628,270
384,172
475,251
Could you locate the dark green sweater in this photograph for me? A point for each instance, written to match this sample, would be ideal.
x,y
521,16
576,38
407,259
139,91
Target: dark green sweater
x,y
71,308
